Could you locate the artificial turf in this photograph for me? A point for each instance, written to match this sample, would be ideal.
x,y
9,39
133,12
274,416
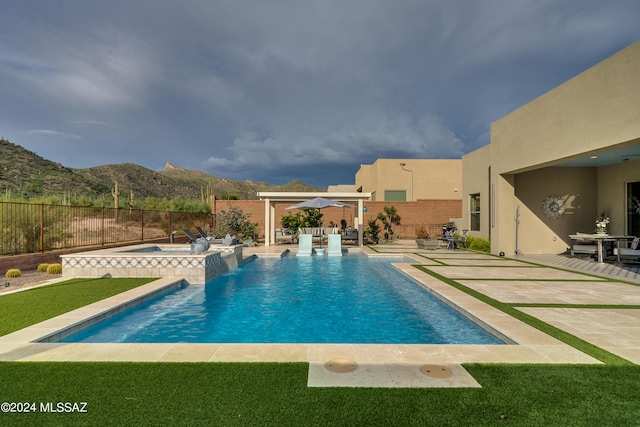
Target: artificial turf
x,y
247,394
265,394
21,309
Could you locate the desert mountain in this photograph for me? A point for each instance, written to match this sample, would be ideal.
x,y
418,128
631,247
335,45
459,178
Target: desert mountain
x,y
25,174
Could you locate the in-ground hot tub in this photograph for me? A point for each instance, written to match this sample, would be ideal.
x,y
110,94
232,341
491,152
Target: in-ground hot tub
x,y
151,260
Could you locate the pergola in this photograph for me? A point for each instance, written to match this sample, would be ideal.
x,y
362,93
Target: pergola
x,y
271,198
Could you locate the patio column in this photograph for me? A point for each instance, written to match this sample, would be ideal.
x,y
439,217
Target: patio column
x,y
360,222
272,225
267,222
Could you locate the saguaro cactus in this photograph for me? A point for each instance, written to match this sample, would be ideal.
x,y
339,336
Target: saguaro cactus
x,y
131,202
116,198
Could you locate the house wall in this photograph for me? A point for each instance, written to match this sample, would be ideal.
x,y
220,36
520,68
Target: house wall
x,y
476,181
433,179
595,112
537,233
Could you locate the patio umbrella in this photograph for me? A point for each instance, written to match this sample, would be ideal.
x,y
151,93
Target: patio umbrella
x,y
319,203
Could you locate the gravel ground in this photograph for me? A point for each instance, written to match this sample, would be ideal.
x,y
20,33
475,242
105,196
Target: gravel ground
x,y
27,280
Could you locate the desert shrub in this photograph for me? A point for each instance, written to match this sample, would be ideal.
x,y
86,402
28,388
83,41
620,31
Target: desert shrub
x,y
42,268
55,268
372,232
13,272
312,218
421,232
292,221
235,223
478,244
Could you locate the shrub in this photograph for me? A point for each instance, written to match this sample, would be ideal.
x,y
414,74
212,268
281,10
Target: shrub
x,y
421,232
373,231
236,223
13,272
55,268
478,244
292,221
42,268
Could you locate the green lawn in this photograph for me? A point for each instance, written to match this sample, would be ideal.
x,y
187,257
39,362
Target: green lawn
x,y
275,394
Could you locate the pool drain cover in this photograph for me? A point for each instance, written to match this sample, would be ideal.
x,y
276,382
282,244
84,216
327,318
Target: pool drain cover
x,y
341,366
436,371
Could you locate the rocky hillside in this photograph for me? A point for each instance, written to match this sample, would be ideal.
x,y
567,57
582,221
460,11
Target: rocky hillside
x,y
25,174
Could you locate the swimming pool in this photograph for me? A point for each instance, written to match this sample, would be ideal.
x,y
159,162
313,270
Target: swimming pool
x,y
350,299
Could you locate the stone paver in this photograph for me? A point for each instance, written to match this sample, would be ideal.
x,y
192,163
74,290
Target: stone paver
x,y
615,330
516,273
557,292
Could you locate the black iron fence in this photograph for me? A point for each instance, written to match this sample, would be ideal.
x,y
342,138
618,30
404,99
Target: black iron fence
x,y
30,228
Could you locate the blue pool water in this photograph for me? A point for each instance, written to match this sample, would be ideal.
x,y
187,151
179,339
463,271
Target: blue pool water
x,y
350,299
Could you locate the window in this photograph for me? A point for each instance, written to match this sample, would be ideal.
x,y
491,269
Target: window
x,y
395,195
474,210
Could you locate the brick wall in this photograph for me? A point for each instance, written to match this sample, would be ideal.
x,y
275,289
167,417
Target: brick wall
x,y
431,213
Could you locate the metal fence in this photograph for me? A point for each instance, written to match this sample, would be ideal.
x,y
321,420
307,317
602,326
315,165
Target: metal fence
x,y
30,228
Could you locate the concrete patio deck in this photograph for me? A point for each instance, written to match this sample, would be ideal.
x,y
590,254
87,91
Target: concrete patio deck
x,y
615,328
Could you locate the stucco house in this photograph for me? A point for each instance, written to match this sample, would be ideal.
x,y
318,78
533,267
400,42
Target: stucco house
x,y
407,180
558,163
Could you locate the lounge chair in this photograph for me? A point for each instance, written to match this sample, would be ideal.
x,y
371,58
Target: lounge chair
x,y
335,245
304,245
190,235
201,232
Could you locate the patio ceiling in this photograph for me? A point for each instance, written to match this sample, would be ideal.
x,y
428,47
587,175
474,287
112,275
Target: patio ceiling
x,y
606,158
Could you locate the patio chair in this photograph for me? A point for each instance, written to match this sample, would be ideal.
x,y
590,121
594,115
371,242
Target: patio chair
x,y
350,234
453,241
632,252
582,243
282,237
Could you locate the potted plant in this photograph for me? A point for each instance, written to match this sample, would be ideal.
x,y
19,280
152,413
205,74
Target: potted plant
x,y
422,238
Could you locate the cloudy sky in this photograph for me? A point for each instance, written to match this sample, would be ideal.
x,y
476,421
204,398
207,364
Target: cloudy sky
x,y
276,90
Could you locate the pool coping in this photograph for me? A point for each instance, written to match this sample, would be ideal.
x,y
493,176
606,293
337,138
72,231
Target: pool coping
x,y
531,345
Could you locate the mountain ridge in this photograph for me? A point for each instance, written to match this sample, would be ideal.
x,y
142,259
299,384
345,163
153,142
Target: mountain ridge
x,y
25,174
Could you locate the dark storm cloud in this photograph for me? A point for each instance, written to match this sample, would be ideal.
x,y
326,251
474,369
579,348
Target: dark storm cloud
x,y
281,90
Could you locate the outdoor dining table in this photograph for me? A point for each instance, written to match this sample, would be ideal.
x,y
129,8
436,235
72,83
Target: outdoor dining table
x,y
600,239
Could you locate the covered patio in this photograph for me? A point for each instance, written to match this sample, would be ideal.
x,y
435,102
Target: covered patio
x,y
561,164
271,199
